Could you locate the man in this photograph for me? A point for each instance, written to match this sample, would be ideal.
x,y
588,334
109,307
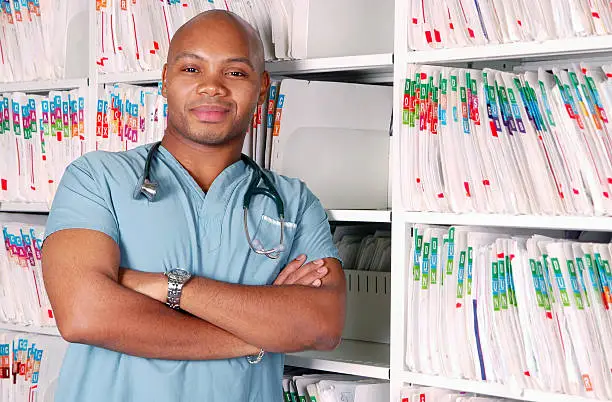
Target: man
x,y
127,344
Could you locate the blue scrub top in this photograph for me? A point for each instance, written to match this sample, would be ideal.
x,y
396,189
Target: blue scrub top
x,y
187,228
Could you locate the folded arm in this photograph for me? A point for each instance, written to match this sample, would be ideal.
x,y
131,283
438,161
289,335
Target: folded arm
x,y
91,307
276,318
286,317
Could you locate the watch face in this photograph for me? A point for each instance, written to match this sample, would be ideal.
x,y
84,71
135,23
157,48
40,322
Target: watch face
x,y
179,275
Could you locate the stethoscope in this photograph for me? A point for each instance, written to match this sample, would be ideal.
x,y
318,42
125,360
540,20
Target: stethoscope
x,y
149,189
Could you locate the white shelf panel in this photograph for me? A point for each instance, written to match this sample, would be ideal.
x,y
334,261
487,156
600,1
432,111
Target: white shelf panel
x,y
39,86
592,45
593,223
39,207
484,388
140,77
51,331
359,358
353,215
369,63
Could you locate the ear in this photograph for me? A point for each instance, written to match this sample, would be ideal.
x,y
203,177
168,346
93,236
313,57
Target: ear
x,y
164,82
265,85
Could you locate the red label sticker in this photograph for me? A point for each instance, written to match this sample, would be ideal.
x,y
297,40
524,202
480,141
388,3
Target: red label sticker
x,y
586,380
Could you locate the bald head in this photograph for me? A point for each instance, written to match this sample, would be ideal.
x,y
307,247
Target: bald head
x,y
213,81
224,23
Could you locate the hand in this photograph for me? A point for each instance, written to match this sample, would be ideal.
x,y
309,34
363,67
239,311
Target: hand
x,y
154,285
296,273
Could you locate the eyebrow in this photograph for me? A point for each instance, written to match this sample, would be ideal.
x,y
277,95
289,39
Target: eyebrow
x,y
244,60
187,55
190,55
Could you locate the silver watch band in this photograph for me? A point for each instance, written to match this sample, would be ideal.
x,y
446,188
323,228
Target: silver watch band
x,y
177,278
174,295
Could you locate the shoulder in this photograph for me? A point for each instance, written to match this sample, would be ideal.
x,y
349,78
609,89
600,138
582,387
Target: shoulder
x,y
295,194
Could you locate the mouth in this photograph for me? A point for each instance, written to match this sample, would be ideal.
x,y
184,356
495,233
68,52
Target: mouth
x,y
210,113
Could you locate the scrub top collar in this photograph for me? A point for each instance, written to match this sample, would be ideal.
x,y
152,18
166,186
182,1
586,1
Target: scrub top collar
x,y
222,188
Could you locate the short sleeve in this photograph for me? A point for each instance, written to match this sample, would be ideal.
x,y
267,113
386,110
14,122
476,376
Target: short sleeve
x,y
80,203
313,235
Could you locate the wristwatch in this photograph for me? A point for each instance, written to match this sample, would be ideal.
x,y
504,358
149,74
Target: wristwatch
x,y
177,278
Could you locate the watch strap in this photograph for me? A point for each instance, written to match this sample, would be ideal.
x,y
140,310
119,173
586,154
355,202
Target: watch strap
x,y
175,290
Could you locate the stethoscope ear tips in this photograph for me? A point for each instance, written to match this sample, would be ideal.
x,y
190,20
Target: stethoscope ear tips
x,y
149,189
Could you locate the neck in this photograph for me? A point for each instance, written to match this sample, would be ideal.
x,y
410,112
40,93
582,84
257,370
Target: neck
x,y
203,162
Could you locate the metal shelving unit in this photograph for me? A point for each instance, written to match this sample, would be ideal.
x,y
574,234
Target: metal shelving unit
x,y
50,331
43,86
358,358
517,56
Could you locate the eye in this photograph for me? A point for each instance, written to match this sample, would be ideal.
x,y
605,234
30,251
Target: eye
x,y
237,74
190,70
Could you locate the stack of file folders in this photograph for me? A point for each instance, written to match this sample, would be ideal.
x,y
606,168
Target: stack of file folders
x,y
135,36
334,388
23,298
34,38
29,366
528,312
39,137
438,24
363,249
428,394
496,142
129,116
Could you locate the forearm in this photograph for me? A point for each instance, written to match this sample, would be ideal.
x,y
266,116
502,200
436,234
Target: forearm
x,y
111,316
276,318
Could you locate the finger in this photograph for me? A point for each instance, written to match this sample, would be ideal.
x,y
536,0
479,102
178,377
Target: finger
x,y
289,269
309,279
306,270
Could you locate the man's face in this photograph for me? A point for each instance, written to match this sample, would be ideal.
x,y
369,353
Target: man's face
x,y
212,84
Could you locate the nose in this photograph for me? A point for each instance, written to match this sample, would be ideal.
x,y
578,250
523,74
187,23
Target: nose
x,y
212,85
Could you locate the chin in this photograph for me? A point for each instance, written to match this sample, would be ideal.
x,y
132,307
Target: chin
x,y
211,139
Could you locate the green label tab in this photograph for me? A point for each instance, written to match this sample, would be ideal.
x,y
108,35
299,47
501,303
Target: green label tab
x,y
581,274
560,282
453,79
503,285
461,274
470,260
417,257
536,282
434,261
425,276
495,286
575,286
547,295
451,251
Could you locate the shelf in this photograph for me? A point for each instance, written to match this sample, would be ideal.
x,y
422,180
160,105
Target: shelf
x,y
375,63
591,45
484,388
139,77
40,86
359,358
51,331
352,215
594,223
378,63
38,207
